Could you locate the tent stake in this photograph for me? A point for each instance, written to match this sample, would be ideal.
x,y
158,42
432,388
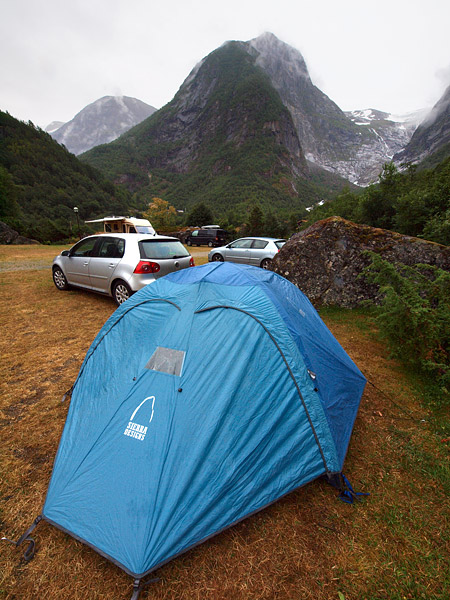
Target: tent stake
x,y
136,589
138,584
29,552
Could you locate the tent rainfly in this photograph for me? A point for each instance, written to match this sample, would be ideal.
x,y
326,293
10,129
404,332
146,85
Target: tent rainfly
x,y
204,398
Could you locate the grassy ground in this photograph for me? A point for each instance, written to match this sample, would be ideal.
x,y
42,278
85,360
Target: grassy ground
x,y
394,545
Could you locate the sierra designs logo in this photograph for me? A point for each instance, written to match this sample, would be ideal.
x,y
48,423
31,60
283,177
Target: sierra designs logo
x,y
136,430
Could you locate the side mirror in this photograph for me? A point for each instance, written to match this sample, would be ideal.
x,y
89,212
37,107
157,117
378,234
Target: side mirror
x,y
65,253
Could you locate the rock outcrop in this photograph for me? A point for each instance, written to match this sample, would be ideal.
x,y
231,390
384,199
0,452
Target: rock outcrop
x,y
9,236
326,260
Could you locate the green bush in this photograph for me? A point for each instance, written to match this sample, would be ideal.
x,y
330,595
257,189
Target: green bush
x,y
414,316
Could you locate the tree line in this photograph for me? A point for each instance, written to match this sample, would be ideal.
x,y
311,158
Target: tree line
x,y
412,202
41,183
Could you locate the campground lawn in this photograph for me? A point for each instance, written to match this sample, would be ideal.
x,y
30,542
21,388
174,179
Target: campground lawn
x,y
394,545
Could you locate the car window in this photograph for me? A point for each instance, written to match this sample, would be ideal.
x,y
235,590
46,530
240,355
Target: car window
x,y
280,243
259,244
84,248
194,233
241,244
111,248
162,249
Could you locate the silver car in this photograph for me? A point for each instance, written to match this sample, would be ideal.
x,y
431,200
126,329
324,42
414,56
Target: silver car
x,y
119,264
257,251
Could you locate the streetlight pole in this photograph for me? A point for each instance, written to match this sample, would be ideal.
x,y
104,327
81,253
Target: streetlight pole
x,y
75,210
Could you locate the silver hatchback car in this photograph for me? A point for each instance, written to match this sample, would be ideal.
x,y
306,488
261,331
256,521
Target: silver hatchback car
x,y
257,251
119,264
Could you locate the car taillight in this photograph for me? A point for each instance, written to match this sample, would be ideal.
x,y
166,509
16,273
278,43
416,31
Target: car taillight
x,y
146,266
191,262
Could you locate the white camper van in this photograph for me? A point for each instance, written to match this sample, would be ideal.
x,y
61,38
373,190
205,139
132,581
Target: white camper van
x,y
125,225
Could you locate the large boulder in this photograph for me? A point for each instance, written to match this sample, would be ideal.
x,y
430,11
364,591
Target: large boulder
x,y
326,259
10,236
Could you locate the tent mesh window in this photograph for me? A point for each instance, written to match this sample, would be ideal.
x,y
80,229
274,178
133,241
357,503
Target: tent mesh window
x,y
166,360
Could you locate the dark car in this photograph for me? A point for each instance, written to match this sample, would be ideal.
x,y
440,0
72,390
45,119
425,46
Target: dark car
x,y
207,237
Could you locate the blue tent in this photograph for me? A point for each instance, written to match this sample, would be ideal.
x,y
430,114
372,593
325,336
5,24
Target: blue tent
x,y
204,398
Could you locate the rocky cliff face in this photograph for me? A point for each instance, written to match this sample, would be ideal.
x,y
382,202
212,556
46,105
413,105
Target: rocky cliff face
x,y
223,97
432,135
101,122
392,133
224,115
326,260
343,143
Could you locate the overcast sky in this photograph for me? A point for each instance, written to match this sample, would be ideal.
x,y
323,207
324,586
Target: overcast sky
x,y
57,56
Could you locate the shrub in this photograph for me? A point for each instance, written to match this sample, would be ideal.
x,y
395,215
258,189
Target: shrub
x,y
414,316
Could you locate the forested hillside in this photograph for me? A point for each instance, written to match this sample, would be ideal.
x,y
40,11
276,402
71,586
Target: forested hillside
x,y
414,202
41,183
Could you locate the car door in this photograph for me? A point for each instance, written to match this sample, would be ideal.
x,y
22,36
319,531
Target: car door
x,y
238,251
76,265
258,252
108,254
193,238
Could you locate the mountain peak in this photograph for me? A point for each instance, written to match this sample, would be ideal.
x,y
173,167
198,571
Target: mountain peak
x,y
53,126
269,38
226,131
101,122
269,46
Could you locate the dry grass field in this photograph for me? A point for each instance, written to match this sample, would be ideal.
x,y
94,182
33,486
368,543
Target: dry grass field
x,y
395,545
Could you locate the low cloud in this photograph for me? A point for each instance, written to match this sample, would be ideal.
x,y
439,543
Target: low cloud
x,y
443,75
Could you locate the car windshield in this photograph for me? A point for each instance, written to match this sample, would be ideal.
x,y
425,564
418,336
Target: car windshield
x,y
280,243
162,249
143,229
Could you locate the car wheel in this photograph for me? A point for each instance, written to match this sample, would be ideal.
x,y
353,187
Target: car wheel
x,y
121,292
217,258
59,279
210,244
265,264
189,243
